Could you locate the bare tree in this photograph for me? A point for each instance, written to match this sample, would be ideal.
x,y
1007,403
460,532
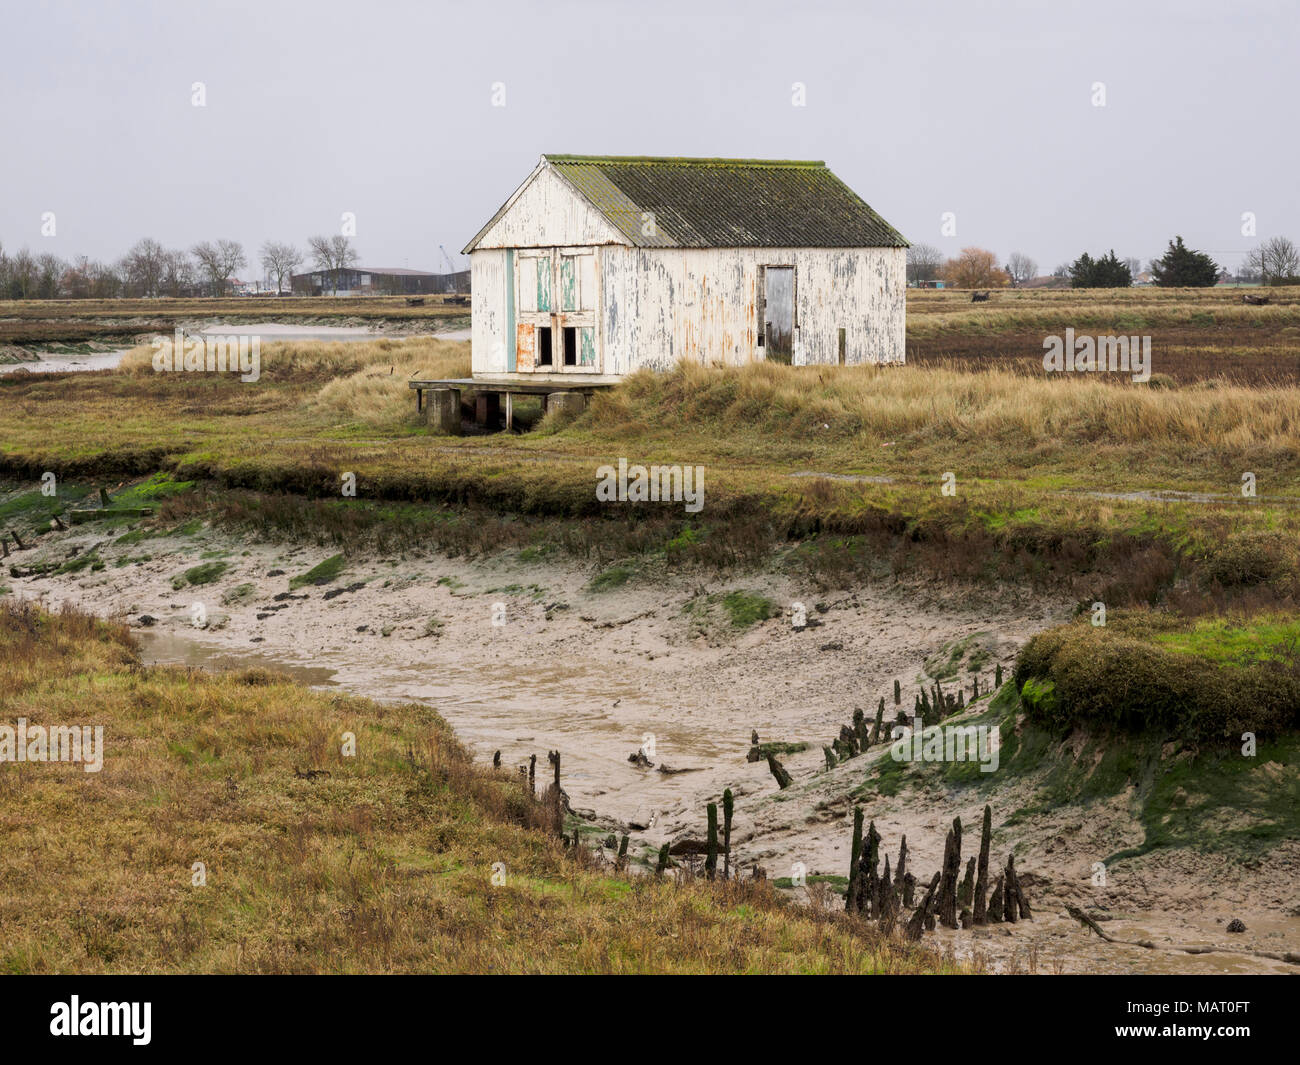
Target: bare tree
x,y
178,276
280,261
144,266
333,255
923,262
1275,261
1021,268
22,275
49,273
1134,265
219,262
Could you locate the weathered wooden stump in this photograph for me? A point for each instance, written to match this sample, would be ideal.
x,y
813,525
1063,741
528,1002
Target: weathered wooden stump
x,y
967,887
855,855
982,870
783,779
947,908
923,915
711,857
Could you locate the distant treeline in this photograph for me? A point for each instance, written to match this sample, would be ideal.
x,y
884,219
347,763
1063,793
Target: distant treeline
x,y
209,268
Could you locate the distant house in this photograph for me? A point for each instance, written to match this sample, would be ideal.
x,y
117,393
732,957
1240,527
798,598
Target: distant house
x,y
378,281
600,266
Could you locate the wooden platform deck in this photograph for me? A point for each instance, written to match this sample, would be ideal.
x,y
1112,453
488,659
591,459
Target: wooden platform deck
x,y
489,390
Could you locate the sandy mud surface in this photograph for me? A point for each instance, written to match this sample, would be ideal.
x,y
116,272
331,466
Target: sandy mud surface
x,y
524,658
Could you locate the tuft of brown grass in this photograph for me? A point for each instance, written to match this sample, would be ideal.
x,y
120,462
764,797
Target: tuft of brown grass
x,y
317,862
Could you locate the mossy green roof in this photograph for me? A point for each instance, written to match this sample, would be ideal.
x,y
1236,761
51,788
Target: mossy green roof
x,y
725,203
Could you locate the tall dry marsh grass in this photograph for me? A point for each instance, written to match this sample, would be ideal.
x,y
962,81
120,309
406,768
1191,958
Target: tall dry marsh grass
x,y
880,404
315,862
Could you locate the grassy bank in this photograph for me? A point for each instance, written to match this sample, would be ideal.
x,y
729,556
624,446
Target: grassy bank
x,y
1179,790
1123,491
319,862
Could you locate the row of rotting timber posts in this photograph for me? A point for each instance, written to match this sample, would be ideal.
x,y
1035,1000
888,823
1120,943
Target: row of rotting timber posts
x,y
885,897
930,708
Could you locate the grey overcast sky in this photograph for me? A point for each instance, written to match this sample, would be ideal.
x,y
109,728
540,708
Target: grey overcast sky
x,y
385,109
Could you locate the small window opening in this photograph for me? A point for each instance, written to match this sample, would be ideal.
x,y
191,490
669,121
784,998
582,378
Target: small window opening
x,y
570,345
544,346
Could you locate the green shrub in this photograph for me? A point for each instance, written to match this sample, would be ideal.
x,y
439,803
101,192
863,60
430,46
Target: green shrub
x,y
1249,558
1078,675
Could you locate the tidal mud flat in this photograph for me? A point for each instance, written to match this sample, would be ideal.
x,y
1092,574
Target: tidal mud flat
x,y
523,657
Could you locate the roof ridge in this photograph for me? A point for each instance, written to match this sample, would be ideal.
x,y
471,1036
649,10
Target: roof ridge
x,y
685,160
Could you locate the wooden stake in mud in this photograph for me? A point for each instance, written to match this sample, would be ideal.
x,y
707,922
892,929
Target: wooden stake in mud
x,y
1014,902
880,718
783,780
997,676
967,884
916,925
870,878
995,902
982,870
17,541
898,693
496,760
556,793
885,895
728,808
711,857
861,729
947,909
532,771
909,890
855,855
901,871
832,759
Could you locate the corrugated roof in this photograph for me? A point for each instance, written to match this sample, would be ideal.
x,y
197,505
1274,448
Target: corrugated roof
x,y
726,203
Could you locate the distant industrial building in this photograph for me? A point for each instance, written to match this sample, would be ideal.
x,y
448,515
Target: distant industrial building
x,y
379,281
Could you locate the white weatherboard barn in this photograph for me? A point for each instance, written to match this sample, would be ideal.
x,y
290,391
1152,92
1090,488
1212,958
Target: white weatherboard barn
x,y
598,266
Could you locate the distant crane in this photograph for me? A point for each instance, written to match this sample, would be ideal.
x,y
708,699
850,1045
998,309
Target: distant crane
x,y
451,268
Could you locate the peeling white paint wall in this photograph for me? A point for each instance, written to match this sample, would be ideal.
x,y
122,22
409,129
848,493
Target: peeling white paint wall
x,y
663,304
488,311
548,213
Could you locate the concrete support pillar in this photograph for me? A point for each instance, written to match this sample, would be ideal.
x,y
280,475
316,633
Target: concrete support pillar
x,y
566,404
487,408
442,410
